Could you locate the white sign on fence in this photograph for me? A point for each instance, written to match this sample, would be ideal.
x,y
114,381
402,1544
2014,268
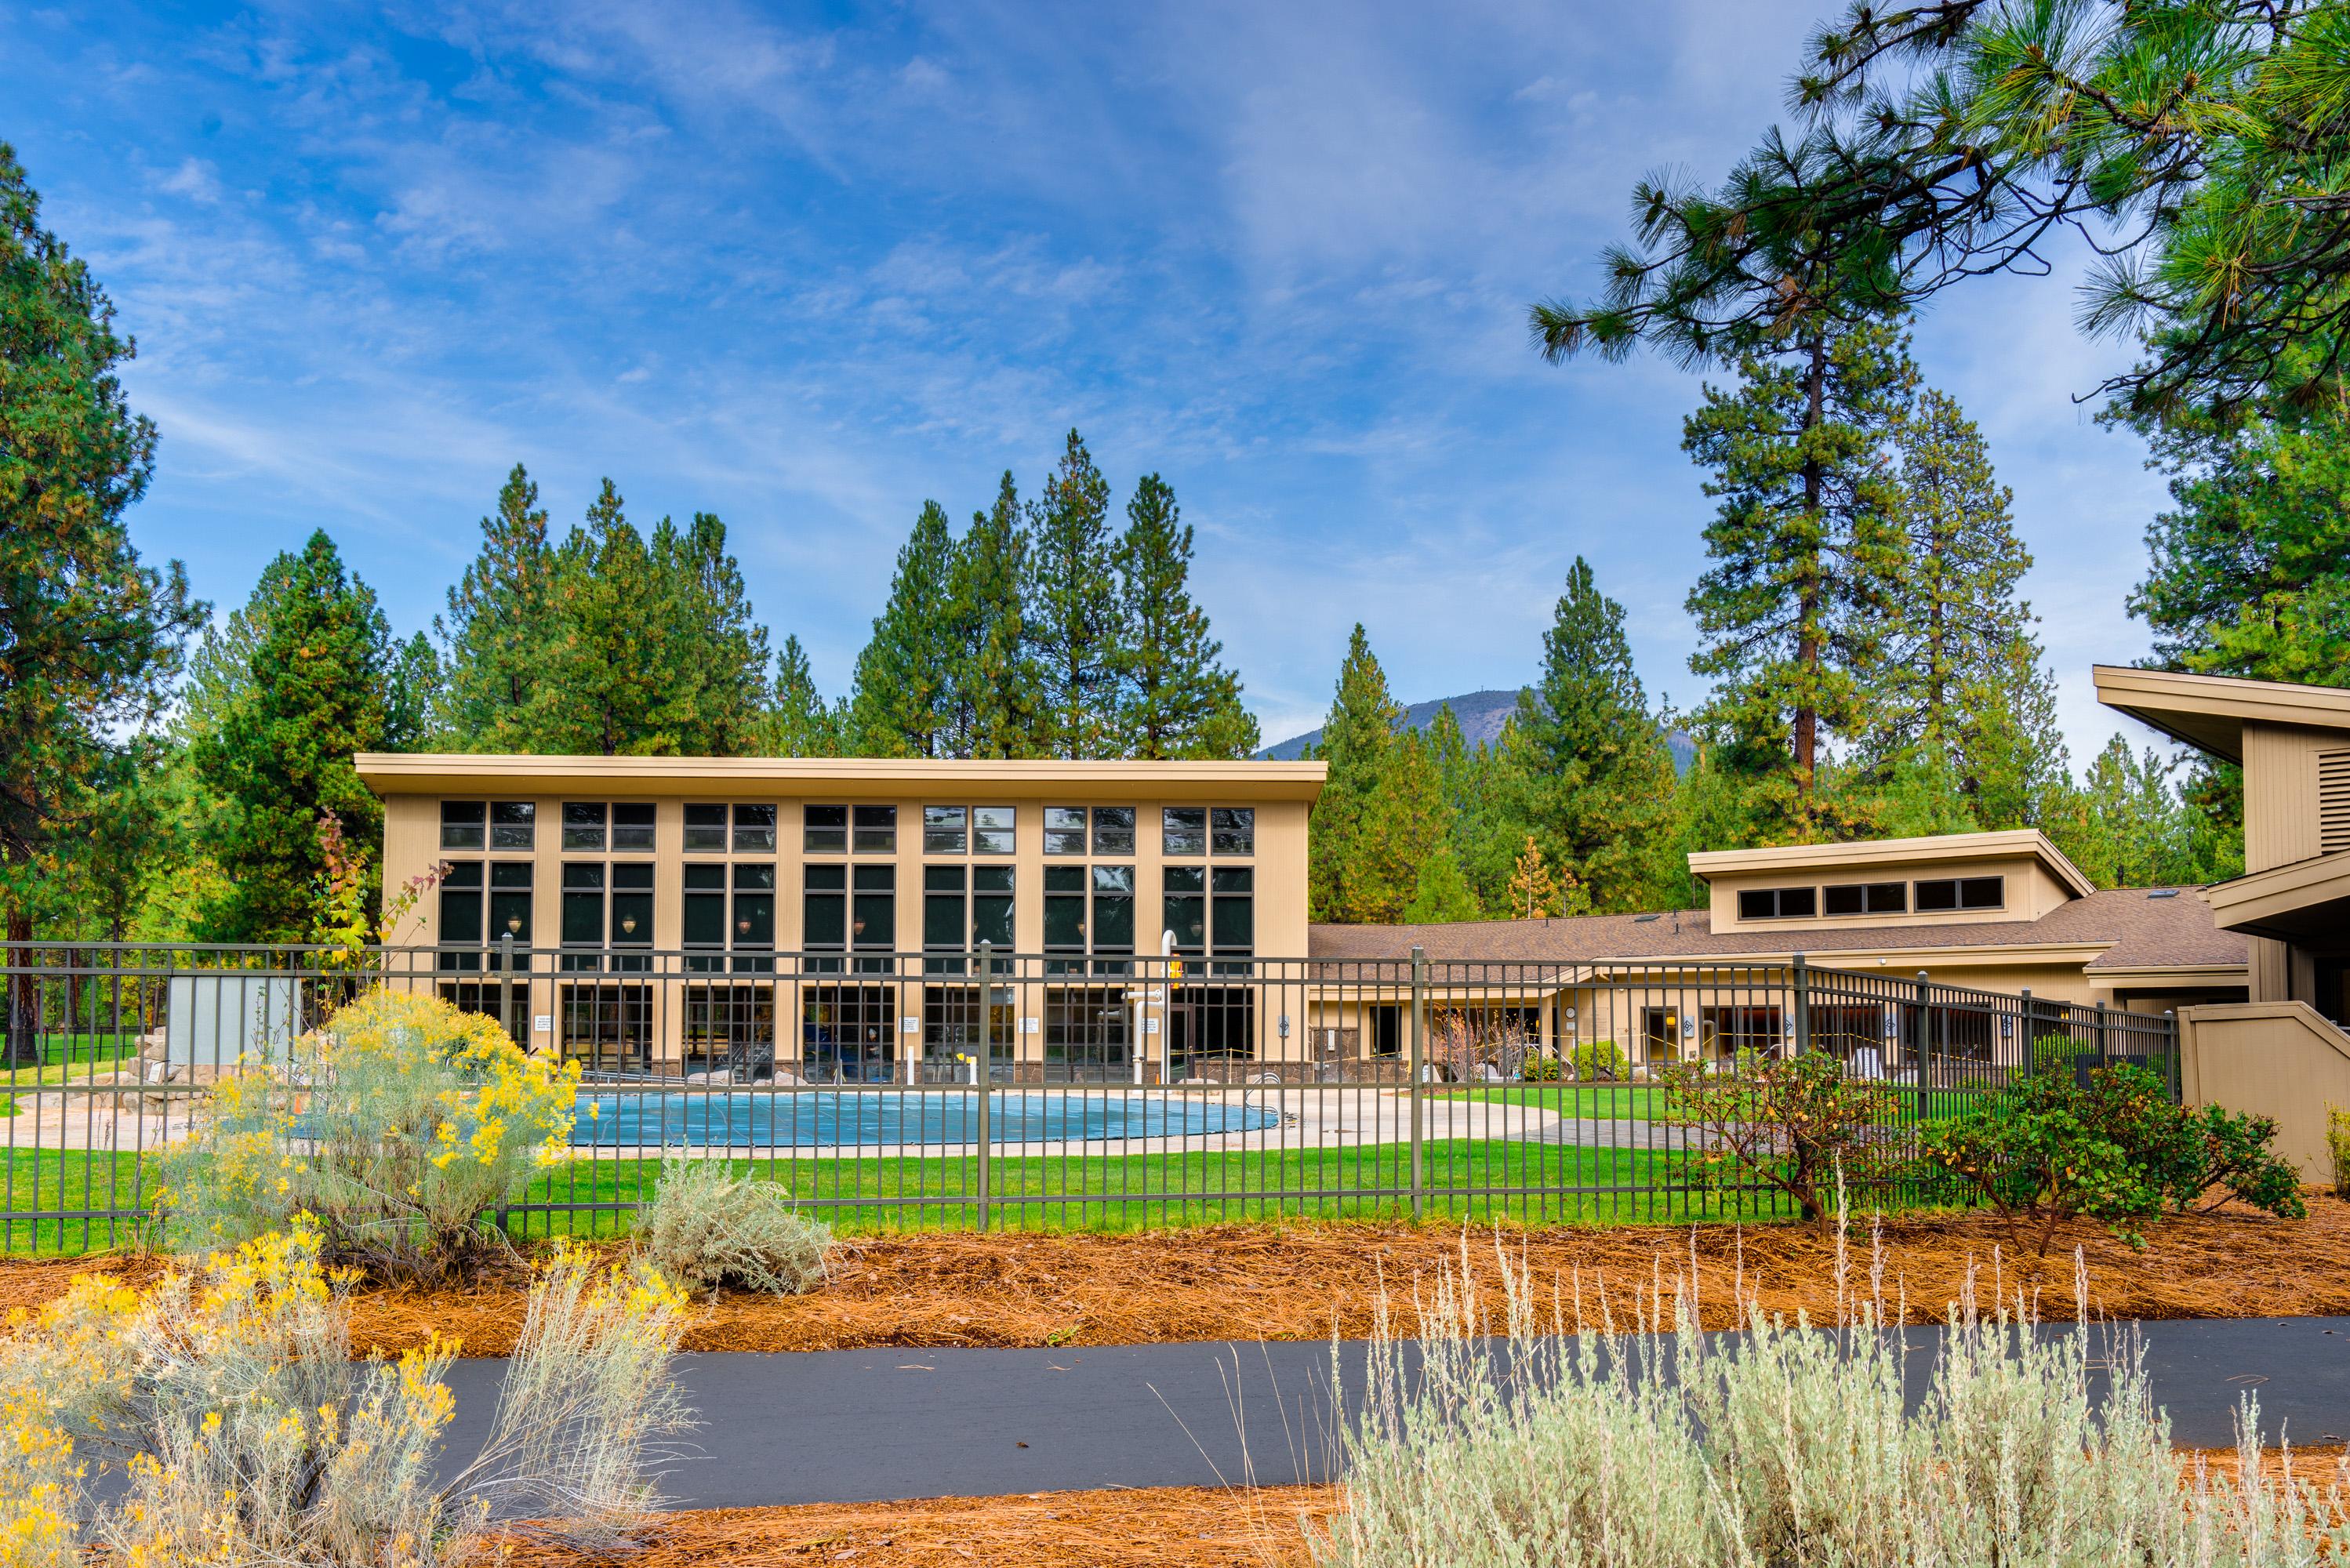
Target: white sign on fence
x,y
216,1020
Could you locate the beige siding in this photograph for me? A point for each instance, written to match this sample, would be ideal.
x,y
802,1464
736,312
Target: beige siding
x,y
2031,893
2280,798
2276,1059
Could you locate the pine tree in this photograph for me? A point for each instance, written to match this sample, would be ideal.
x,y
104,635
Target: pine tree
x,y
608,671
1358,738
92,636
1598,779
310,696
497,631
2126,826
902,705
1534,890
715,650
1402,826
995,699
1071,610
1806,550
1176,700
799,725
1441,894
412,697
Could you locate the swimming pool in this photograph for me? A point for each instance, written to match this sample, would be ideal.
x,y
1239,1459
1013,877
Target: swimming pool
x,y
833,1119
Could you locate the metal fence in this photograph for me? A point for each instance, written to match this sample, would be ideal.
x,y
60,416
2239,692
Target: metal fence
x,y
985,1090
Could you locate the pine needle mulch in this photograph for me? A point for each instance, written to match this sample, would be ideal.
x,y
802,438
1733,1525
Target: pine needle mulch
x,y
1308,1281
1164,1527
1160,1527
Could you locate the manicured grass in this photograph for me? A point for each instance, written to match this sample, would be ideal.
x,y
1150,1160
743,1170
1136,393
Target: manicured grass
x,y
71,1059
38,1187
1594,1102
1106,1192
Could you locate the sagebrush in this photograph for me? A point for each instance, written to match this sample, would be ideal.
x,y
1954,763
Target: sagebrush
x,y
708,1227
217,1416
400,1125
1787,1447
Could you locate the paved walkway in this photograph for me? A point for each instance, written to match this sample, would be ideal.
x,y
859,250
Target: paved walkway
x,y
880,1424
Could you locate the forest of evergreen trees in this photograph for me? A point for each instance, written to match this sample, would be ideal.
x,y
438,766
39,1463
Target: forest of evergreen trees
x,y
170,774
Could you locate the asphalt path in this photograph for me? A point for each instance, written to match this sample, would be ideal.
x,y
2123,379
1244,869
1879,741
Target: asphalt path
x,y
861,1426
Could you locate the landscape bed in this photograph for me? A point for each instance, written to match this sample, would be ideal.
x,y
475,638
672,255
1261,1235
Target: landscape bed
x,y
1308,1281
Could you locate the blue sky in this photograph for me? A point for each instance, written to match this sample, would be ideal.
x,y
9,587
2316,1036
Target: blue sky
x,y
804,267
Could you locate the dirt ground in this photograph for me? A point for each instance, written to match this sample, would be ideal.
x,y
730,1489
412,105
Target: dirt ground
x,y
1170,1527
1307,1281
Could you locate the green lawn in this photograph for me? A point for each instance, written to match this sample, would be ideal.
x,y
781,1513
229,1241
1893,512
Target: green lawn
x,y
1106,1192
1647,1102
71,1059
39,1187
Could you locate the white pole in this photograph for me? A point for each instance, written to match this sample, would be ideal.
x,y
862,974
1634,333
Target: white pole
x,y
1165,1001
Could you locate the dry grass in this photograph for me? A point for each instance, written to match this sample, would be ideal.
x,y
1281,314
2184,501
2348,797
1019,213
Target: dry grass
x,y
1305,1281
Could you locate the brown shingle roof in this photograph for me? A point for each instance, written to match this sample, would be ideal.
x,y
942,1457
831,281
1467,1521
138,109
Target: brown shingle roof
x,y
2144,932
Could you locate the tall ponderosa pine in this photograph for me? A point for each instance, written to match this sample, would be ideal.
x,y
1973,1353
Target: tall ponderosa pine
x,y
497,629
1965,687
1806,549
718,650
799,724
1072,609
309,695
90,638
1597,779
903,701
1346,880
995,686
1176,700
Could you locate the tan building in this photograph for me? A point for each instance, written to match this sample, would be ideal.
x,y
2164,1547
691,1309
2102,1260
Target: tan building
x,y
648,898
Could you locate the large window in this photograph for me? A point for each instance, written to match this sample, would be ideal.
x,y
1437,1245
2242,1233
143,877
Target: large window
x,y
702,917
583,824
1065,910
824,829
849,1033
1184,906
1232,829
1089,1035
946,906
823,911
1962,893
460,914
873,914
1113,913
875,829
1113,830
705,827
510,901
755,830
754,914
464,824
968,829
583,909
1183,831
1867,899
1204,906
1778,903
1065,830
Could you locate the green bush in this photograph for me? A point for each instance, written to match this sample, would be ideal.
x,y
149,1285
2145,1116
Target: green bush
x,y
2046,1149
1601,1061
2053,1055
1793,1123
707,1228
2337,1144
1540,1067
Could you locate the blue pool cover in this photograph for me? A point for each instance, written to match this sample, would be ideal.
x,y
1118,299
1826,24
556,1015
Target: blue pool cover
x,y
830,1118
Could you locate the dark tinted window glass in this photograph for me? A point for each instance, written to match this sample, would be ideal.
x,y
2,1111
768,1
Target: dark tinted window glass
x,y
632,905
1844,899
461,904
1113,830
583,904
1777,903
510,899
1185,913
1798,903
942,907
1983,893
704,912
513,824
754,905
1065,830
510,874
461,823
1757,903
583,824
1234,829
824,905
945,829
991,906
1183,830
632,825
876,829
992,829
1943,893
1065,906
825,830
1113,926
873,908
705,827
1234,907
755,829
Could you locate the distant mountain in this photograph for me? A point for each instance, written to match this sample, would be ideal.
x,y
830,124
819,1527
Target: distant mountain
x,y
1482,716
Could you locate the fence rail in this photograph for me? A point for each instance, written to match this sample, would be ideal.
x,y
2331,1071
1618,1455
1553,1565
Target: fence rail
x,y
987,1090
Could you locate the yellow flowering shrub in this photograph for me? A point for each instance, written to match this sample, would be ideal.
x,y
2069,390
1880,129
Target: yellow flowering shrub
x,y
224,1408
400,1125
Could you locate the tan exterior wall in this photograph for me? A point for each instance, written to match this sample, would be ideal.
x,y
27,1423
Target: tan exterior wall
x,y
2277,1059
2280,821
2031,892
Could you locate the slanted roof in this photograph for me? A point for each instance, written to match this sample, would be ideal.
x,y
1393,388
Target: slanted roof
x,y
460,773
2209,712
1884,853
2119,928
